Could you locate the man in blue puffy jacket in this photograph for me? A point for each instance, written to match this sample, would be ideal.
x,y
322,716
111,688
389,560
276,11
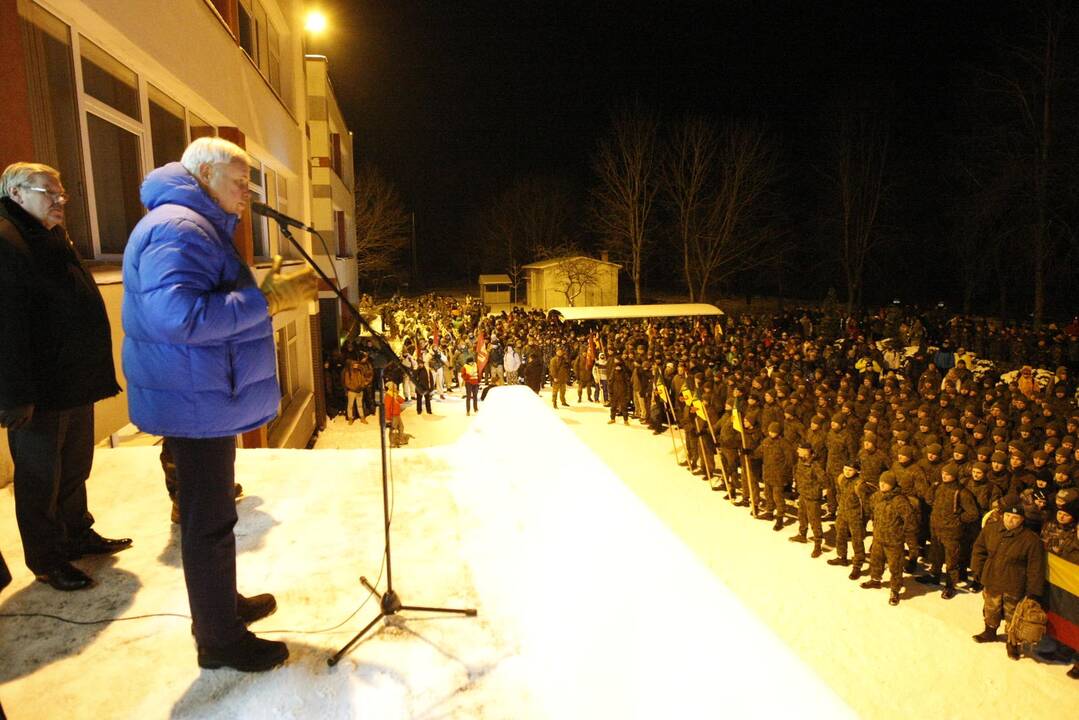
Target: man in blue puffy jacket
x,y
200,365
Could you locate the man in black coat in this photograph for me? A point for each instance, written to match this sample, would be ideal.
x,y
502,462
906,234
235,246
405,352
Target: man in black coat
x,y
55,362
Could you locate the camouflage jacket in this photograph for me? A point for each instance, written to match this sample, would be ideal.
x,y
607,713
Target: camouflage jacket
x,y
953,507
809,480
894,521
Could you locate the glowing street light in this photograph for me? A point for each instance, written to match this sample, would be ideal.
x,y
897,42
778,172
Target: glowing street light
x,y
315,22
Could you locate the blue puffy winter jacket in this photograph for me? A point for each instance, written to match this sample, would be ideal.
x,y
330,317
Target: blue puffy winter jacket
x,y
198,346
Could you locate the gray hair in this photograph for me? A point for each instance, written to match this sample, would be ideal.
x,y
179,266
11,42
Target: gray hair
x,y
211,150
19,173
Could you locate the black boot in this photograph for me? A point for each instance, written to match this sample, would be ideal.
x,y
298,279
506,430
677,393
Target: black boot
x,y
1074,672
855,572
987,635
799,538
1013,650
872,584
250,609
893,598
779,524
248,654
911,566
839,561
816,549
928,579
949,589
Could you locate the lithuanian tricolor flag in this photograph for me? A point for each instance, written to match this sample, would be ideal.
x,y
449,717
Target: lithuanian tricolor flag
x,y
1063,610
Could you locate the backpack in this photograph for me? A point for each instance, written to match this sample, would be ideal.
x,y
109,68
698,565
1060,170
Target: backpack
x,y
1028,623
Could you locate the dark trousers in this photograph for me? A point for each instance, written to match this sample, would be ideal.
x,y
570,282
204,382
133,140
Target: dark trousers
x,y
53,455
205,468
423,397
472,394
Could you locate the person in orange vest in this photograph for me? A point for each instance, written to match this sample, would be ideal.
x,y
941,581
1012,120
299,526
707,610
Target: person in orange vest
x,y
394,404
471,376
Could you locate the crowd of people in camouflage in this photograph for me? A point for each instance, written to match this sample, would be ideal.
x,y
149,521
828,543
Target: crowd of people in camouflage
x,y
960,466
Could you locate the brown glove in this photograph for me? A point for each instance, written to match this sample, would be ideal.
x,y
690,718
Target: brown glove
x,y
284,292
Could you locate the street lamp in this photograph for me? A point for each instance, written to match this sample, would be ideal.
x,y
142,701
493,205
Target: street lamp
x,y
315,22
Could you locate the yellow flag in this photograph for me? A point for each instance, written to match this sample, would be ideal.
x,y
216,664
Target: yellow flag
x,y
736,420
661,390
687,395
698,407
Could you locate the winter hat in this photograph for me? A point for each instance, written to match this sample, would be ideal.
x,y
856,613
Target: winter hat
x,y
775,428
1040,455
1071,508
951,470
960,449
853,464
1067,495
838,419
887,477
999,457
1014,509
980,466
905,451
933,449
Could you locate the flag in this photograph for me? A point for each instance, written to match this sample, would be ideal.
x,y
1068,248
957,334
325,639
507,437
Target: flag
x,y
482,352
687,395
661,390
1063,605
736,420
698,407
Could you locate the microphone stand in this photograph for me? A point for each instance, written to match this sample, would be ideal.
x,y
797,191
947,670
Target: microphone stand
x,y
382,355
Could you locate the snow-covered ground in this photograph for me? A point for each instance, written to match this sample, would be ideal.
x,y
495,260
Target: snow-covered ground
x,y
609,583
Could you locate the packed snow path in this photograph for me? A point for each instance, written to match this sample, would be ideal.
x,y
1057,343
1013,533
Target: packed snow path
x,y
592,603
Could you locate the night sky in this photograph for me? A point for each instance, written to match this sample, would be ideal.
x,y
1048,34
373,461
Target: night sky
x,y
456,100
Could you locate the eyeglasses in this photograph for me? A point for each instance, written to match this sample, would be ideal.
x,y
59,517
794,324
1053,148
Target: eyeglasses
x,y
62,197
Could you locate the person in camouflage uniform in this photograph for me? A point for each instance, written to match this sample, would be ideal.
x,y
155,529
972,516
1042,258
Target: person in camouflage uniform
x,y
854,496
953,507
894,524
559,372
911,480
777,465
840,446
809,483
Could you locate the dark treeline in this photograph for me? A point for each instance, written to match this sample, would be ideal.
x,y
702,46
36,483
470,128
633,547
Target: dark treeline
x,y
956,187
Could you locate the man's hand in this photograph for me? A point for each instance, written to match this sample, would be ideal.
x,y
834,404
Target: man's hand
x,y
284,292
14,418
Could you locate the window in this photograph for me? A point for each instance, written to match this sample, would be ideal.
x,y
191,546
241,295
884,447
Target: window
x,y
117,171
259,238
273,42
54,114
247,38
197,127
108,80
262,59
335,153
342,233
167,132
288,365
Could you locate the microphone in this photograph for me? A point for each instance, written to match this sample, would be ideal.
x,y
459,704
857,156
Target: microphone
x,y
267,211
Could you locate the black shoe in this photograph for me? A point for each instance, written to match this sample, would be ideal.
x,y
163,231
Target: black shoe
x,y
250,609
893,599
948,592
975,587
799,538
66,577
987,635
779,524
90,543
911,566
1074,672
928,579
872,584
839,561
1013,651
248,654
766,515
816,550
855,573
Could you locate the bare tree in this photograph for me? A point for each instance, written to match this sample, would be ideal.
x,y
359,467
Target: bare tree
x,y
382,225
575,272
626,168
1036,78
718,183
862,153
532,215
